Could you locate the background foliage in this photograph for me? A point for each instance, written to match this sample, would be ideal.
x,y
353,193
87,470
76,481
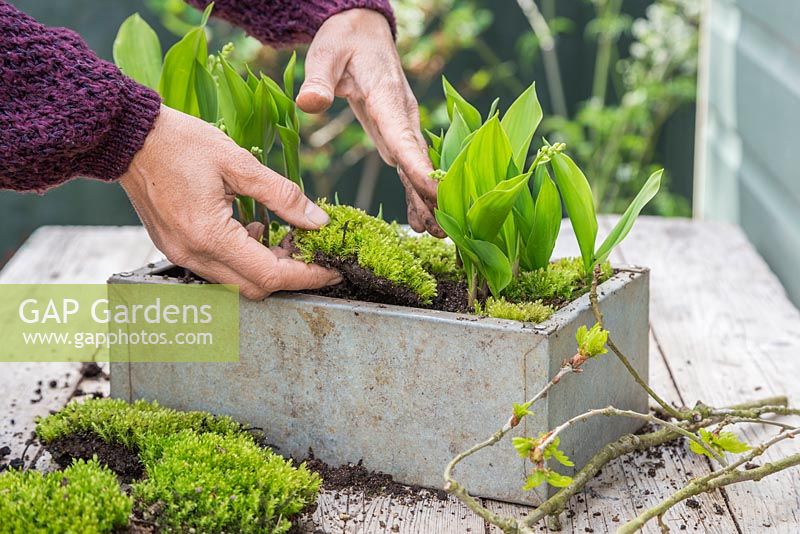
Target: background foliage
x,y
622,98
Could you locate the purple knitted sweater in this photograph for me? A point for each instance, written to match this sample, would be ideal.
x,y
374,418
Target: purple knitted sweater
x,y
64,112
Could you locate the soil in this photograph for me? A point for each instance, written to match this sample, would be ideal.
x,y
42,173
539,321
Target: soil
x,y
125,463
362,284
89,370
123,460
356,477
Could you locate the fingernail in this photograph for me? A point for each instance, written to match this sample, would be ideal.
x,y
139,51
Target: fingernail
x,y
316,215
335,280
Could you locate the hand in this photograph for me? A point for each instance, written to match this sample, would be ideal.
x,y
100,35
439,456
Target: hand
x,y
353,56
182,184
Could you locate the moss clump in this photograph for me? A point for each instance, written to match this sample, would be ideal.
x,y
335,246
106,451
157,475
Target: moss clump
x,y
116,421
436,256
85,497
276,233
215,483
373,243
529,312
207,473
561,281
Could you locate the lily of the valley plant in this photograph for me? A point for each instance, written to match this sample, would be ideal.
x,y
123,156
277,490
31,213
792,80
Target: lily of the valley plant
x,y
504,214
253,110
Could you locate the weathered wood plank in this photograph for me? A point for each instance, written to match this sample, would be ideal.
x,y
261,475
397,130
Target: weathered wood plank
x,y
58,255
728,333
352,513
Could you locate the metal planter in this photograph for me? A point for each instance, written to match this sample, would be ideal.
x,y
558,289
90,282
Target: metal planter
x,y
406,389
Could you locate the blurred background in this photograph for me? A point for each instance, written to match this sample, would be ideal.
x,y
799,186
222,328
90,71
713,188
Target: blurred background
x,y
617,80
613,86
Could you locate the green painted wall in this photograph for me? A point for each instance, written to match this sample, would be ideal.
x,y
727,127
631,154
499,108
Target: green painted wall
x,y
749,168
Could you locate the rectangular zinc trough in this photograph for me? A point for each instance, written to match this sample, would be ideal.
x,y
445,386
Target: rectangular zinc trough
x,y
406,389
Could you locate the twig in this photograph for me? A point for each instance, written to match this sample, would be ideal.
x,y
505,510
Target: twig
x,y
452,486
610,411
718,479
598,316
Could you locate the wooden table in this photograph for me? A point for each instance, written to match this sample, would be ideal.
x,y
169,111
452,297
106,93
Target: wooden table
x,y
722,330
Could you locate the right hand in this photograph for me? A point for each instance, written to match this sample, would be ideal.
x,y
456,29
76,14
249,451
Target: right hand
x,y
182,184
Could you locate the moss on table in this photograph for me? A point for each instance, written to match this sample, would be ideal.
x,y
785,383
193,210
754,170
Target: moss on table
x,y
85,497
202,472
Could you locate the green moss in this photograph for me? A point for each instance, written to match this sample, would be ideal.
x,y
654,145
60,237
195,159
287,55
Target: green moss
x,y
85,498
436,256
205,472
276,233
561,280
529,312
117,421
372,242
214,483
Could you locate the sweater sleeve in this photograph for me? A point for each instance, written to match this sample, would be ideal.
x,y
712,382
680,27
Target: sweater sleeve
x,y
286,22
64,112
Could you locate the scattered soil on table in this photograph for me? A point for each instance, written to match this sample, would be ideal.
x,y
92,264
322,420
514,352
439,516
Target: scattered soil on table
x,y
362,284
122,460
90,370
357,478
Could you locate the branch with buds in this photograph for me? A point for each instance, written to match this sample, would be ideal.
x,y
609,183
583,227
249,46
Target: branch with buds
x,y
690,423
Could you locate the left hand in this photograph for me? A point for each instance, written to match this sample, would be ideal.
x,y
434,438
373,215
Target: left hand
x,y
353,56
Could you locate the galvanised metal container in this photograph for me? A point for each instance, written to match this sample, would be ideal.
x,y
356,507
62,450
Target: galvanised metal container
x,y
406,389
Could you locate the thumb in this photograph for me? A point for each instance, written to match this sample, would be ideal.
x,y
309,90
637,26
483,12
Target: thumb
x,y
247,176
324,69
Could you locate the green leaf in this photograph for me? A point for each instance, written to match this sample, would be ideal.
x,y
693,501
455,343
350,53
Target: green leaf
x,y
523,445
235,103
471,116
490,211
259,131
177,83
206,89
558,480
453,140
288,76
578,200
454,231
137,51
552,451
436,140
524,211
246,206
488,156
705,437
546,222
493,265
290,145
206,14
435,158
536,479
521,410
729,442
251,78
453,193
493,107
520,123
625,222
591,342
285,105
